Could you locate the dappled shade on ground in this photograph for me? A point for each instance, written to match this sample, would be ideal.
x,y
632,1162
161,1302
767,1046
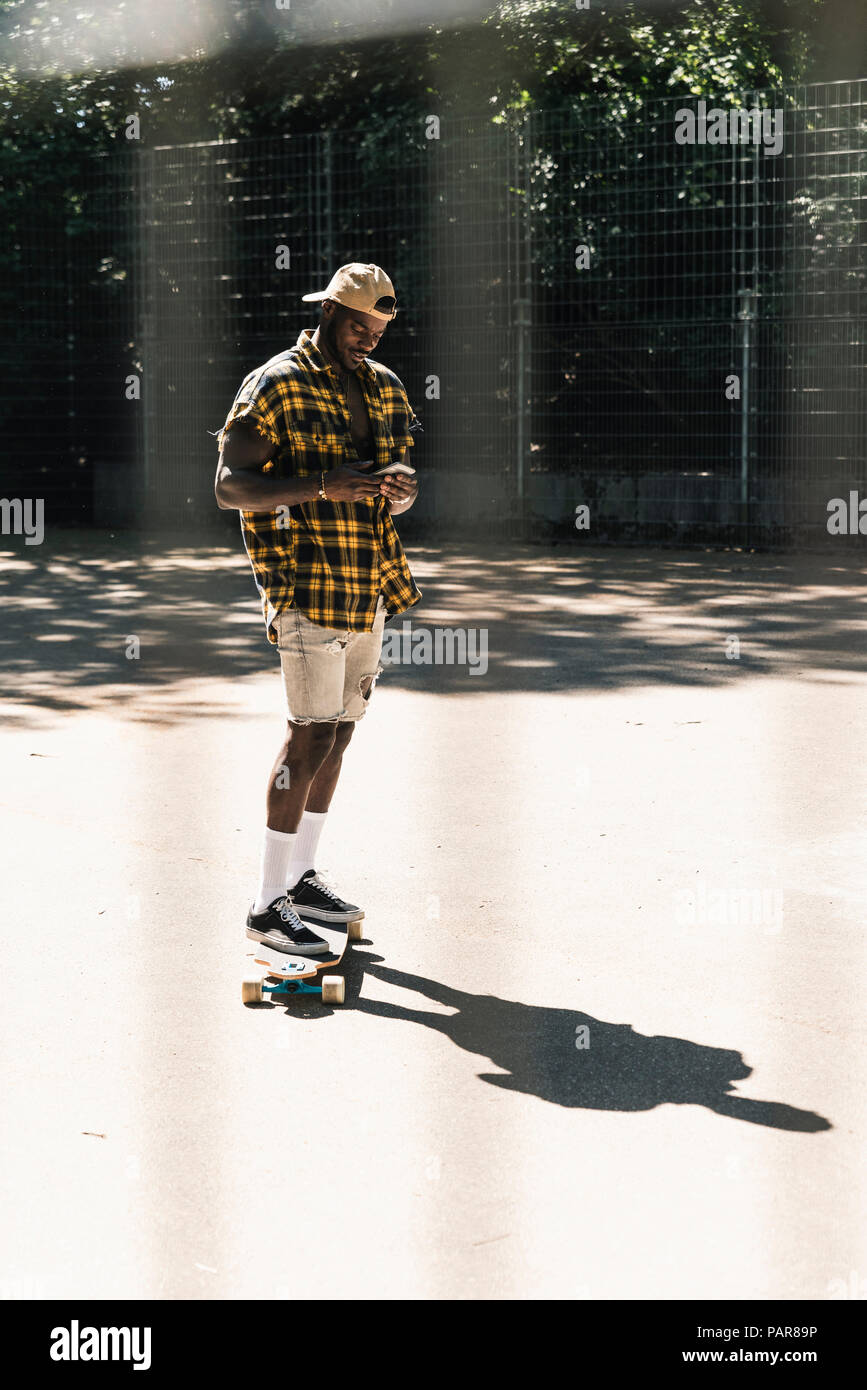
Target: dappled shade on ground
x,y
557,618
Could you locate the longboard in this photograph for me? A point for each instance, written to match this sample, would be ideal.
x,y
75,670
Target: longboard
x,y
278,977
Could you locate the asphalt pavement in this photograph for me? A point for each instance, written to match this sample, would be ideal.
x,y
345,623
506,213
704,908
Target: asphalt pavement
x,y
605,1038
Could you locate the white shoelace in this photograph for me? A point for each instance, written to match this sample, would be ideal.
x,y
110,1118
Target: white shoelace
x,y
324,888
288,914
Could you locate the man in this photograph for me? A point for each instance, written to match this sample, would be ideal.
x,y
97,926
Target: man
x,y
328,563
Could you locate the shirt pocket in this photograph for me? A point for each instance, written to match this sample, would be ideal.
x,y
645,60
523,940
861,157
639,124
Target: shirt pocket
x,y
317,443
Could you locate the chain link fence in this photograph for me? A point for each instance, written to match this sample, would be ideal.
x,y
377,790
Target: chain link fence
x,y
595,311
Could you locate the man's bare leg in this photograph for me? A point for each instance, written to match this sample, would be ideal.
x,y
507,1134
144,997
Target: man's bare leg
x,y
323,784
303,752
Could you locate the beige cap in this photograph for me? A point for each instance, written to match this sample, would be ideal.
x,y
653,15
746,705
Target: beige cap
x,y
363,287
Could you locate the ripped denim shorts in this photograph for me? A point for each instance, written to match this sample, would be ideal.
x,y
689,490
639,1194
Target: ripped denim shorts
x,y
328,674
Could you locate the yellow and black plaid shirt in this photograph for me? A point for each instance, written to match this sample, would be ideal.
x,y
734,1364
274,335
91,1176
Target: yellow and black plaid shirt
x,y
329,559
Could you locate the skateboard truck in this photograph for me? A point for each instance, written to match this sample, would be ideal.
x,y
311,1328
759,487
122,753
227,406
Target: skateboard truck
x,y
291,987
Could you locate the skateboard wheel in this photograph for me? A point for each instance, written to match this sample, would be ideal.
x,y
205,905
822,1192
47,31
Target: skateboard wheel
x,y
333,989
251,990
354,930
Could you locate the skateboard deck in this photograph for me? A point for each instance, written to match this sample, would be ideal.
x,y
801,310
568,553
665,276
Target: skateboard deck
x,y
275,976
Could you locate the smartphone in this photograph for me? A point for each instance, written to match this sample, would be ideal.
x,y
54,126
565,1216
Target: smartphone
x,y
392,468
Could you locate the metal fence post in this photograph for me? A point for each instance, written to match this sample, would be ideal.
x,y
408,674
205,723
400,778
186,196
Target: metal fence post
x,y
145,314
522,323
329,202
746,314
521,314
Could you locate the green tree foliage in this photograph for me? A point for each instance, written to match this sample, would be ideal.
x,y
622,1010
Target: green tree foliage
x,y
70,75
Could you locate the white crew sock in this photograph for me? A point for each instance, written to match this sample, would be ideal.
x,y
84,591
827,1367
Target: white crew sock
x,y
274,874
306,845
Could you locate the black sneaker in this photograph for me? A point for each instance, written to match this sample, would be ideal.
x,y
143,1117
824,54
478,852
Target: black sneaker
x,y
313,898
282,929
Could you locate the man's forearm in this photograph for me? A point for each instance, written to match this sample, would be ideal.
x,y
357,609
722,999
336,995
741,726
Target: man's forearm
x,y
255,492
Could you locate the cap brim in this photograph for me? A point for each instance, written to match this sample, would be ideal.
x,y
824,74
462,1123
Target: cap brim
x,y
374,313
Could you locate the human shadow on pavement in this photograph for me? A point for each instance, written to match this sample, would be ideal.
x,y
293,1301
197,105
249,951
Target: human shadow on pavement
x,y
619,1069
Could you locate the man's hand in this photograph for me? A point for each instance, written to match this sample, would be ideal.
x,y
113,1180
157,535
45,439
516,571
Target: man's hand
x,y
399,490
345,484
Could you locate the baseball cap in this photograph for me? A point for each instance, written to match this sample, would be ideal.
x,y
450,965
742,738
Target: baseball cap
x,y
363,287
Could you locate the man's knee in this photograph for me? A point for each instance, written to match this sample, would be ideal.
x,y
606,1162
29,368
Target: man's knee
x,y
343,734
310,744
